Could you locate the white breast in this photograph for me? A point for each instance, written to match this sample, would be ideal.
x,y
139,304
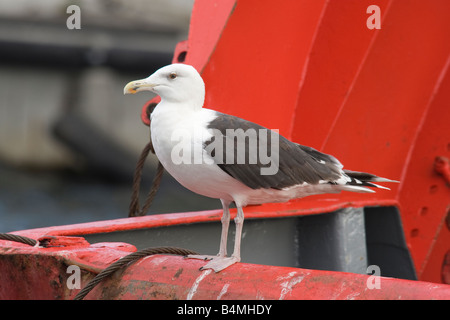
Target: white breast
x,y
173,134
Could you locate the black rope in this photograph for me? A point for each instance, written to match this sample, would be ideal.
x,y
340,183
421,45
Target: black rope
x,y
17,238
134,208
127,260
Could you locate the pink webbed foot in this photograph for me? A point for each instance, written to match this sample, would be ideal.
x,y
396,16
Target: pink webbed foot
x,y
219,263
200,257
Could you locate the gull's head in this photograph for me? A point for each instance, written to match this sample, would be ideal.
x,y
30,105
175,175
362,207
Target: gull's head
x,y
178,83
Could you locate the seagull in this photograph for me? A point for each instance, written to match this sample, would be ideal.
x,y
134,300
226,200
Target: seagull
x,y
221,156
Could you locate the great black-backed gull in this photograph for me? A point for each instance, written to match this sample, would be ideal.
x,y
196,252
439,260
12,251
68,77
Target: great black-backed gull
x,y
225,157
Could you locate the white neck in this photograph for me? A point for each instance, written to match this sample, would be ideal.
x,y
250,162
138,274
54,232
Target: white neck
x,y
189,98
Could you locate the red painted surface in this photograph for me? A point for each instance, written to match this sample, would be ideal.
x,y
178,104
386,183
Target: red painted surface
x,y
41,273
442,167
376,99
173,279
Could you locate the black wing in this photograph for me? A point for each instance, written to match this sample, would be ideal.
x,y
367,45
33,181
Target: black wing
x,y
296,164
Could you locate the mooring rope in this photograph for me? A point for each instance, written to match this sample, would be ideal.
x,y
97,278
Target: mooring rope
x,y
134,208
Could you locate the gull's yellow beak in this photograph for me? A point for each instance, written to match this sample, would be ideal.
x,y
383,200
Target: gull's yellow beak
x,y
138,85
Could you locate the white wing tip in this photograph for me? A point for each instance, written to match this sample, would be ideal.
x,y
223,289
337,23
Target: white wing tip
x,y
354,188
381,187
380,179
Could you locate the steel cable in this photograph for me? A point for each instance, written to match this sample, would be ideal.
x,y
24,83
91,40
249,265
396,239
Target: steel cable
x,y
128,260
17,238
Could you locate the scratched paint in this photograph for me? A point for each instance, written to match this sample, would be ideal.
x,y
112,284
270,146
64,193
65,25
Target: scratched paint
x,y
291,281
223,291
197,281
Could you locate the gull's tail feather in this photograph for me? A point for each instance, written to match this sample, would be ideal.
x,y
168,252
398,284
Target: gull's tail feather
x,y
365,179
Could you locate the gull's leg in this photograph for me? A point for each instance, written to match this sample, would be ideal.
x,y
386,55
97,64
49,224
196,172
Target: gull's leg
x,y
220,262
225,224
225,220
239,221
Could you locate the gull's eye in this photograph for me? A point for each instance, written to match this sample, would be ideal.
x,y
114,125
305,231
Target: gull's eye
x,y
173,75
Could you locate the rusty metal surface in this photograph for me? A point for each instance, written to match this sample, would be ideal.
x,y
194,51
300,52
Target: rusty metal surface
x,y
41,273
177,278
